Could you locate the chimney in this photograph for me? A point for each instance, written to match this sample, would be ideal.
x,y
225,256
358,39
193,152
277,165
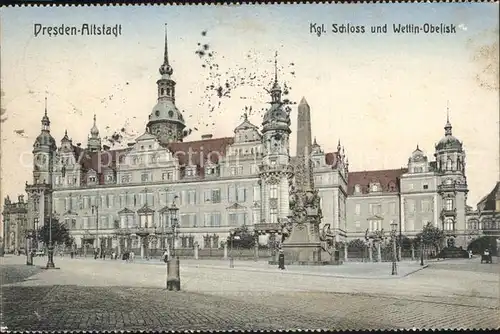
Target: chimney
x,y
207,136
105,147
130,144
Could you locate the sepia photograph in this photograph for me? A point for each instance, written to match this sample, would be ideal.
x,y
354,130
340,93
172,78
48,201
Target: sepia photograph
x,y
250,167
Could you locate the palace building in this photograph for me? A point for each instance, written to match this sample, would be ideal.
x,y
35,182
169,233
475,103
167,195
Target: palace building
x,y
118,198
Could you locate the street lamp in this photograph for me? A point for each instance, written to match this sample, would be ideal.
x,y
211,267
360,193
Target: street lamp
x,y
173,267
95,208
421,250
174,221
393,237
50,257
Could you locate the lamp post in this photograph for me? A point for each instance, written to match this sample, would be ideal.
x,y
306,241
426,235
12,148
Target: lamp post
x,y
393,237
174,221
173,268
50,253
95,208
421,251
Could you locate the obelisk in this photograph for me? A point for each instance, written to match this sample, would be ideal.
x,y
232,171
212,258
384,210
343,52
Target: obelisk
x,y
303,245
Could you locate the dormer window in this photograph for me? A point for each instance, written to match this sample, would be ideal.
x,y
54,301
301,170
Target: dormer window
x,y
92,179
357,188
418,170
375,187
109,178
191,171
392,187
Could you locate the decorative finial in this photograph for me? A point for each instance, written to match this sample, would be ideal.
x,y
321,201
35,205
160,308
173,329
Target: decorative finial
x,y
45,105
245,116
65,132
94,119
448,111
165,68
448,127
314,141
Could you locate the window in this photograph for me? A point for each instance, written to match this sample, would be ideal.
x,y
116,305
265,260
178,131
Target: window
x,y
232,171
358,209
273,215
426,186
418,170
255,216
256,193
449,164
375,225
188,220
85,223
125,179
449,225
109,178
449,204
92,179
318,179
273,191
357,226
375,209
191,197
254,169
167,176
212,195
212,219
375,187
426,205
145,177
410,225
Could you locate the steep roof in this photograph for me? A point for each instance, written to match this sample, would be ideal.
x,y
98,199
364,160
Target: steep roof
x,y
212,149
488,202
388,178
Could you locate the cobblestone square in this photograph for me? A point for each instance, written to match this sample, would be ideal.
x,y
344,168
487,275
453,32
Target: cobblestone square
x,y
113,295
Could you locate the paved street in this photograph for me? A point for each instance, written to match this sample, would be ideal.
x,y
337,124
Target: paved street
x,y
109,295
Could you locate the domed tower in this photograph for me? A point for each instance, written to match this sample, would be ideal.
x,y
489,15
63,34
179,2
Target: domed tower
x,y
40,192
452,188
275,170
166,121
94,140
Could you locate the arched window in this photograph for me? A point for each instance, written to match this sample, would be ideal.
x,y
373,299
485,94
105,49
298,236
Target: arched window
x,y
162,91
449,164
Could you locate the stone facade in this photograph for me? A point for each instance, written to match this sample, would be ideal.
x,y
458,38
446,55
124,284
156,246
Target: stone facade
x,y
222,183
15,224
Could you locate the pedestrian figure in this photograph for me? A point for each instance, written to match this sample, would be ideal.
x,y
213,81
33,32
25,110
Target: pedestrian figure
x,y
132,256
470,253
96,253
113,255
281,260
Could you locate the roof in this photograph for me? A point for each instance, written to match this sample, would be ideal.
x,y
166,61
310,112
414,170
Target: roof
x,y
330,159
488,202
188,153
388,178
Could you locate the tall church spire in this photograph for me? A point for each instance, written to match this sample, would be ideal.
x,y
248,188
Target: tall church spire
x,y
276,89
165,69
45,119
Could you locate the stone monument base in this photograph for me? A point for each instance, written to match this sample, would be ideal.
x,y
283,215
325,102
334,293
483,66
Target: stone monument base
x,y
305,254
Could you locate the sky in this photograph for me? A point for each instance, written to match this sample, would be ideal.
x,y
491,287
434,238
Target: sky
x,y
381,94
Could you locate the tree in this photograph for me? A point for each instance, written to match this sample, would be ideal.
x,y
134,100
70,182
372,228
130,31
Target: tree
x,y
431,236
60,233
241,237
